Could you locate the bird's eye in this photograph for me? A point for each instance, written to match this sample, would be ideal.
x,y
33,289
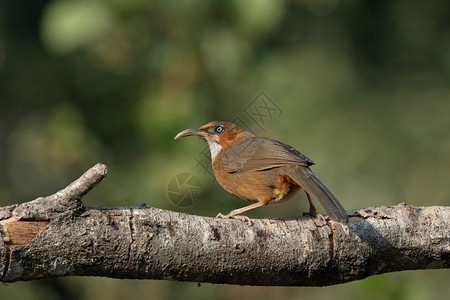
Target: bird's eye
x,y
219,129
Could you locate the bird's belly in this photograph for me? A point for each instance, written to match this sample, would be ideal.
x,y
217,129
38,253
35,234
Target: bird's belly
x,y
258,186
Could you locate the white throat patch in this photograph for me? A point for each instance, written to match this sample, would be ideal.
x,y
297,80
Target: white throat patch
x,y
214,147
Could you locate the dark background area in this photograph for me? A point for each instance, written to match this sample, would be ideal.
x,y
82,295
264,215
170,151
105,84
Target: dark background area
x,y
361,87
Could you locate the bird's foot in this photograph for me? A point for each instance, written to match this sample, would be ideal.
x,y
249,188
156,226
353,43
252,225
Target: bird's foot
x,y
315,215
237,217
221,215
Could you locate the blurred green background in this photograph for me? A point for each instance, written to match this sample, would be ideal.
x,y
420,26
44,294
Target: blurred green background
x,y
361,87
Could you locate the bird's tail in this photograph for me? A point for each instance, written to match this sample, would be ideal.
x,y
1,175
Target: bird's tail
x,y
312,185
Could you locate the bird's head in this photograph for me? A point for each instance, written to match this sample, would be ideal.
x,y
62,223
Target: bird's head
x,y
218,134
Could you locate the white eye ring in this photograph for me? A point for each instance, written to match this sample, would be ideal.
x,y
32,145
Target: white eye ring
x,y
219,129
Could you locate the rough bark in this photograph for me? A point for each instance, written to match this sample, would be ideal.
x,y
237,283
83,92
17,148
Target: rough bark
x,y
58,236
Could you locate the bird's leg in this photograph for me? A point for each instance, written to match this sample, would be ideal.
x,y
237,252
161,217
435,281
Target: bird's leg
x,y
234,213
312,209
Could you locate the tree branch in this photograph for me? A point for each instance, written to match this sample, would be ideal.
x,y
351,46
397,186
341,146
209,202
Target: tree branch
x,y
58,236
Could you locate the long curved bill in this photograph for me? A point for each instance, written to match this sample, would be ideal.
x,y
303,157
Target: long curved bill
x,y
191,131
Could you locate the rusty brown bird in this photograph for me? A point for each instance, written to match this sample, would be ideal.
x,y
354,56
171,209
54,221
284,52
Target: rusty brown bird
x,y
261,170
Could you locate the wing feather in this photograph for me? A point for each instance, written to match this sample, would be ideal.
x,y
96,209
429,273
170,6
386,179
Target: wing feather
x,y
256,154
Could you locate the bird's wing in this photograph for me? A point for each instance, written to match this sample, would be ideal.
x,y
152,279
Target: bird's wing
x,y
257,153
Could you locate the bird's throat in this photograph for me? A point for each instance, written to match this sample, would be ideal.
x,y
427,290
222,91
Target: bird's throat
x,y
214,147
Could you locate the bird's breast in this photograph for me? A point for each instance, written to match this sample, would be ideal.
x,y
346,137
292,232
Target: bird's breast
x,y
256,186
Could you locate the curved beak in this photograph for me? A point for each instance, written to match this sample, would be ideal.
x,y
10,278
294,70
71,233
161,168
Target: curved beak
x,y
191,131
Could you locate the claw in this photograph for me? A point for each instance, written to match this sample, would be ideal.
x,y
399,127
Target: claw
x,y
315,215
243,219
237,217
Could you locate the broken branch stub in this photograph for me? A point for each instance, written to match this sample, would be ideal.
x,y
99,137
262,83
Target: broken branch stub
x,y
21,224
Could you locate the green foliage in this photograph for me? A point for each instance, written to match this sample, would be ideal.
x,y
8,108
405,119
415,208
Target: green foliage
x,y
363,87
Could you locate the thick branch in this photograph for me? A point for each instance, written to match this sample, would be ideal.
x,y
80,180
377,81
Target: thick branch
x,y
58,236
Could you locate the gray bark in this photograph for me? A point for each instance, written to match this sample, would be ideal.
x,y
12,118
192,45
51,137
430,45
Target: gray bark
x,y
58,236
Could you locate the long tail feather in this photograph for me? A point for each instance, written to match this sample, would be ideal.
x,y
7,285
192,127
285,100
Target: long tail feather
x,y
304,177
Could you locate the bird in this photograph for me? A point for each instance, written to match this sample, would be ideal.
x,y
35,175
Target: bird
x,y
261,170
